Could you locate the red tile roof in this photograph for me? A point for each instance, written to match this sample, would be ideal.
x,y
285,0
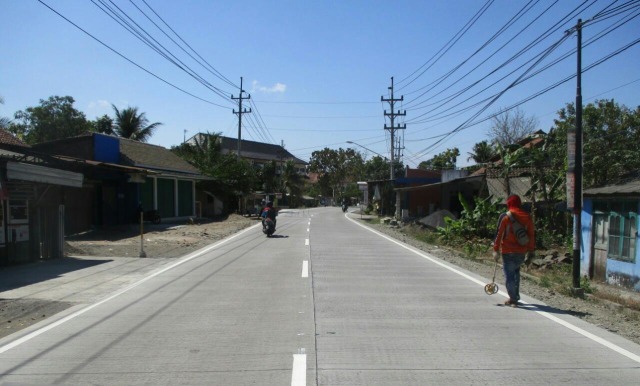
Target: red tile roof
x,y
10,139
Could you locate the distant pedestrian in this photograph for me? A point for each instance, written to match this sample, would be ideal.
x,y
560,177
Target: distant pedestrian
x,y
515,240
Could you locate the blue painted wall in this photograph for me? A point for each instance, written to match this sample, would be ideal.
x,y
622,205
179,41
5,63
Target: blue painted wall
x,y
620,273
106,148
585,248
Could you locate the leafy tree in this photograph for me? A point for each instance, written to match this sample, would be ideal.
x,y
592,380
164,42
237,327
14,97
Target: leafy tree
x,y
55,118
445,160
292,183
611,134
511,126
103,125
268,176
4,121
203,153
230,176
376,168
482,152
336,168
133,125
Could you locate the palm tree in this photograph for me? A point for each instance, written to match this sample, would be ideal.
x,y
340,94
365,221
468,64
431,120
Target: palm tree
x,y
129,124
482,152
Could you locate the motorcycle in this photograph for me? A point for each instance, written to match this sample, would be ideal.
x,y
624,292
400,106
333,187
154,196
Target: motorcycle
x,y
268,227
344,207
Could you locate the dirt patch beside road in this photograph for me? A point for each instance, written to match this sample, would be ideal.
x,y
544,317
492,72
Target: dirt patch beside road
x,y
162,240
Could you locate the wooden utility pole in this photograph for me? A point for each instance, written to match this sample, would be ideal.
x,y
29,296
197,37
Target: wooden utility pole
x,y
240,111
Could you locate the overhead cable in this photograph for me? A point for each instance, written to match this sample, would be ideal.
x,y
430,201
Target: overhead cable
x,y
135,29
131,61
447,46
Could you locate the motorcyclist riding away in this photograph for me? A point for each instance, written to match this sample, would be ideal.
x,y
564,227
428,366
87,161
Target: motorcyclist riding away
x,y
269,212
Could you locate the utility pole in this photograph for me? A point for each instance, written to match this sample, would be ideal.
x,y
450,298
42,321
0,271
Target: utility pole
x,y
399,147
392,128
239,113
574,170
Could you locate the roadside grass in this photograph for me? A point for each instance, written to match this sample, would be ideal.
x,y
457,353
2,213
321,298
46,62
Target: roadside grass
x,y
373,220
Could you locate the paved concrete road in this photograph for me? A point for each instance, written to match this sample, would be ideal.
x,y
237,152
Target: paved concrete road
x,y
326,302
389,315
240,313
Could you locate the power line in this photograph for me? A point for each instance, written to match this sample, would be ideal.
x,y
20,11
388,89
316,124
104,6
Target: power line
x,y
551,30
484,61
319,102
506,26
131,61
450,44
493,100
597,37
214,71
261,123
469,122
139,32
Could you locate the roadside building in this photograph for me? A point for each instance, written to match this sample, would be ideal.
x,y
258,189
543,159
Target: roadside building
x,y
610,239
34,196
133,175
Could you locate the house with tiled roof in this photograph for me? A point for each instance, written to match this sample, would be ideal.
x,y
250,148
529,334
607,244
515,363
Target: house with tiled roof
x,y
153,178
258,153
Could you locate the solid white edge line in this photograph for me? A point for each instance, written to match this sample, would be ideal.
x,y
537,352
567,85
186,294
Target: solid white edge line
x,y
547,315
67,318
299,371
305,268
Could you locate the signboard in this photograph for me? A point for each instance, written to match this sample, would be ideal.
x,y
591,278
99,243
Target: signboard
x,y
364,188
18,233
571,167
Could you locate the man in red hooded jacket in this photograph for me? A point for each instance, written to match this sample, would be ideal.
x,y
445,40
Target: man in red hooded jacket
x,y
513,253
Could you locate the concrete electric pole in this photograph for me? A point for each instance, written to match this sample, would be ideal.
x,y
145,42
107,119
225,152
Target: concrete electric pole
x,y
574,169
392,130
240,111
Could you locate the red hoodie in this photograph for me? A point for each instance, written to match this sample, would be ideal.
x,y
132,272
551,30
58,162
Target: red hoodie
x,y
506,238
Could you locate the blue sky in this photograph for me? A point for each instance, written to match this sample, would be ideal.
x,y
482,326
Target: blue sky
x,y
316,70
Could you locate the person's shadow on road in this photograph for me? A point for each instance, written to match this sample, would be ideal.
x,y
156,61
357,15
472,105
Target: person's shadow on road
x,y
548,309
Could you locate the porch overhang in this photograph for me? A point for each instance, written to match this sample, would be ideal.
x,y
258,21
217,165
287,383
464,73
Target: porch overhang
x,y
35,173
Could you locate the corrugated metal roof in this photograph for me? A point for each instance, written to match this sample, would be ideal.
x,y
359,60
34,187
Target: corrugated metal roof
x,y
629,188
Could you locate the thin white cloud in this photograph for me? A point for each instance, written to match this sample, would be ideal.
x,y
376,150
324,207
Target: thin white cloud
x,y
98,107
276,88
